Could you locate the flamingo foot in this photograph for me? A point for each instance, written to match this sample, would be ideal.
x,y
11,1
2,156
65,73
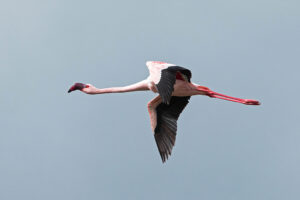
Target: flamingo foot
x,y
251,102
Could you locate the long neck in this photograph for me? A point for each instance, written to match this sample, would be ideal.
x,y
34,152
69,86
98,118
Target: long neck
x,y
140,86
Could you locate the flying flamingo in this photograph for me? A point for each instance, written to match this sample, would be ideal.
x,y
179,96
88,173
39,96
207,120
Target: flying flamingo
x,y
174,87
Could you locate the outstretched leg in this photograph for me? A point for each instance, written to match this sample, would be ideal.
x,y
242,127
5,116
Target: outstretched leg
x,y
152,111
206,91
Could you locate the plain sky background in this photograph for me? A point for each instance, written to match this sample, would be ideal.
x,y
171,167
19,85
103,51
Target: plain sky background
x,y
55,145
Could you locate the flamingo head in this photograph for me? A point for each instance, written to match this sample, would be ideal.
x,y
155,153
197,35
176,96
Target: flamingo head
x,y
77,86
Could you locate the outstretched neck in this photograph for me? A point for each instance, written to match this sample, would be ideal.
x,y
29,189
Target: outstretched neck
x,y
140,86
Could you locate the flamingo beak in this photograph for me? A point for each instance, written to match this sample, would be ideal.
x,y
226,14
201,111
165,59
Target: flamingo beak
x,y
76,86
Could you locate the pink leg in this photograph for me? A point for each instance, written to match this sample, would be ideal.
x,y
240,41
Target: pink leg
x,y
213,94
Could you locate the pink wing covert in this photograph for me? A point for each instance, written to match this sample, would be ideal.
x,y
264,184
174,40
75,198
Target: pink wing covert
x,y
155,68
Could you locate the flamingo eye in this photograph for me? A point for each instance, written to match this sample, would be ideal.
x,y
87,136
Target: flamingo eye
x,y
87,86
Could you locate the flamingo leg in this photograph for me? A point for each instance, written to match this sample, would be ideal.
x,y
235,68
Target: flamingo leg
x,y
234,99
212,94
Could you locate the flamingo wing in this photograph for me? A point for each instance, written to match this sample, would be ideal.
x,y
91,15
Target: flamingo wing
x,y
166,127
155,68
164,76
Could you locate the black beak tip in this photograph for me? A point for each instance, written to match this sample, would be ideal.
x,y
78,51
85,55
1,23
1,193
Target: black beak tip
x,y
72,89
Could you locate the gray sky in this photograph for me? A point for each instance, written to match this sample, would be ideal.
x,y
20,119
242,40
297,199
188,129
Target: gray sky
x,y
55,145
